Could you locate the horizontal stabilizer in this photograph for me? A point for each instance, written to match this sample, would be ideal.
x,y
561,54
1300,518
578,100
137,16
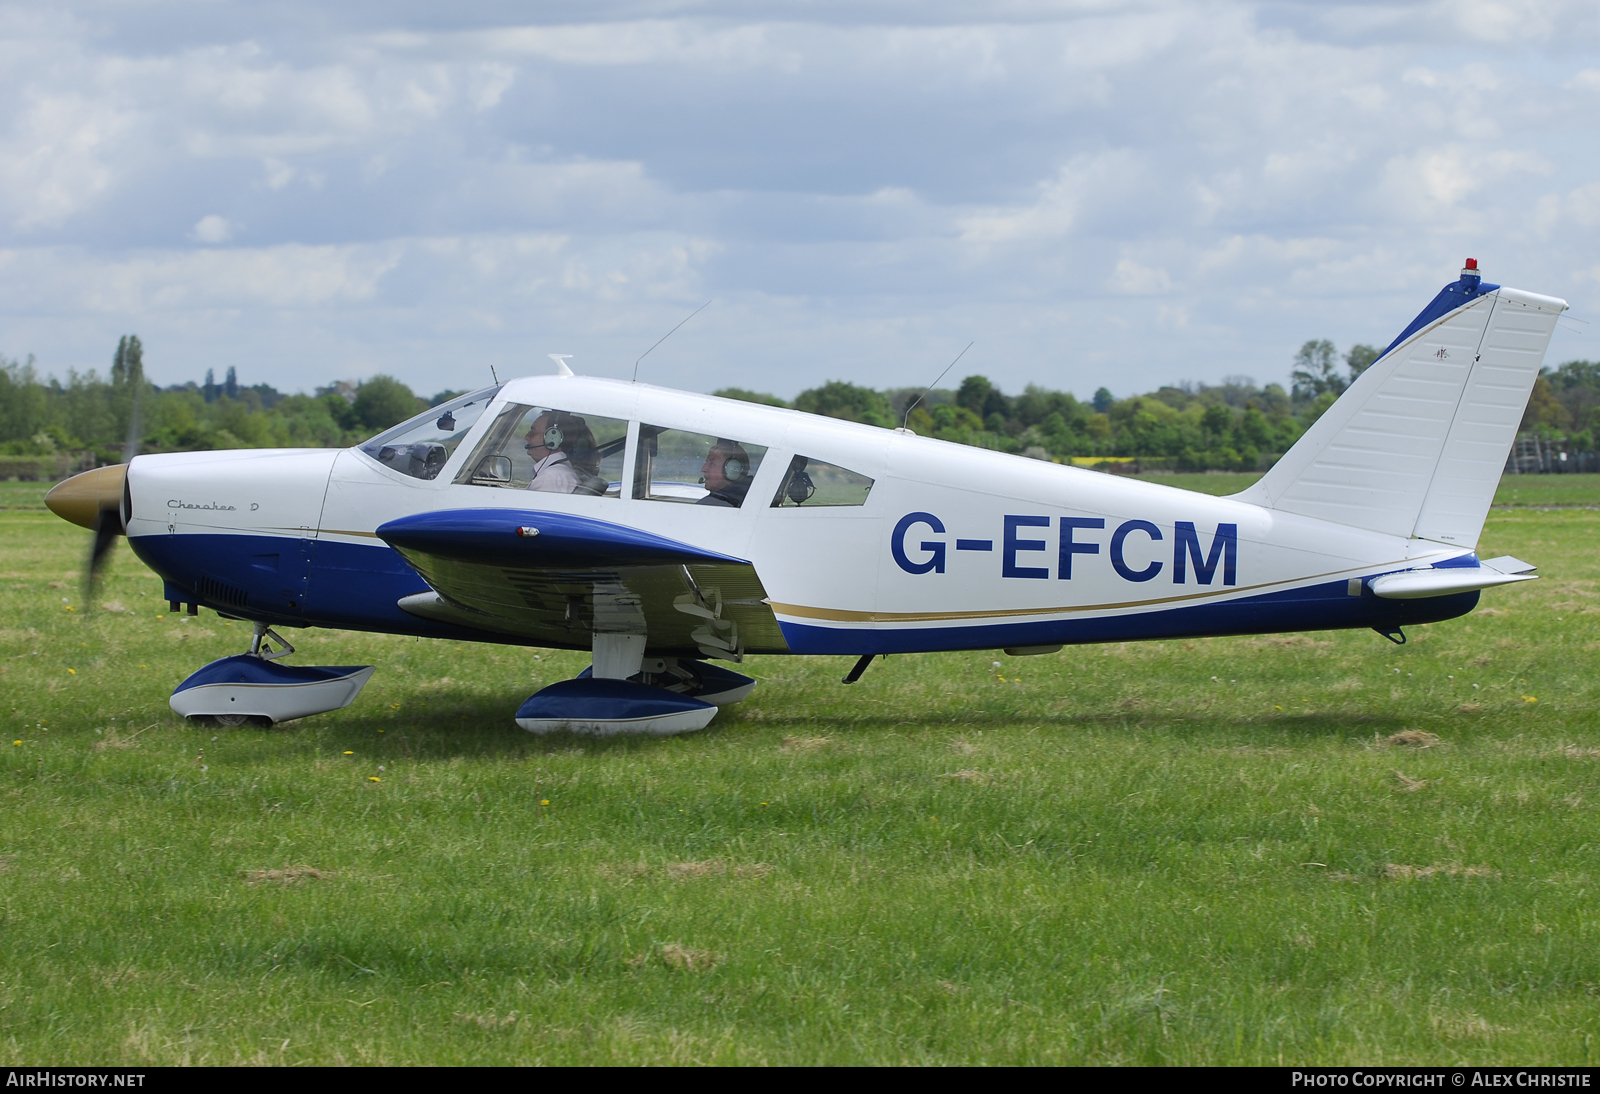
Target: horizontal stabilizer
x,y
1416,584
1508,565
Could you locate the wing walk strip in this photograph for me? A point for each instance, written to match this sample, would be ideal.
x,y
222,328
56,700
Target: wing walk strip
x,y
836,615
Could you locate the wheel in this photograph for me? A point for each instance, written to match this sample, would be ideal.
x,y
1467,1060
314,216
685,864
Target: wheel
x,y
231,720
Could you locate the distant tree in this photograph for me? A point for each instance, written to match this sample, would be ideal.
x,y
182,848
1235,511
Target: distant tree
x,y
981,397
1102,400
1314,371
127,364
1359,359
973,393
838,399
230,386
384,401
1577,385
745,396
1543,407
444,396
1217,419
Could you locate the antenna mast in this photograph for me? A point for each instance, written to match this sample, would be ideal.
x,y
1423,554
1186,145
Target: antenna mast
x,y
664,337
933,385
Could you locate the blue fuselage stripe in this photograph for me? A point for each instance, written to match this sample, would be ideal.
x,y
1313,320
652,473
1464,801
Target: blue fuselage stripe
x,y
1313,608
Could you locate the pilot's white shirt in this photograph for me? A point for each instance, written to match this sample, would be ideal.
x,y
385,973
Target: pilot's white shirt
x,y
554,475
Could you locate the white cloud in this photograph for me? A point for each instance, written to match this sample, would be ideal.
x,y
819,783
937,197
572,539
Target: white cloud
x,y
212,229
59,156
1057,203
1139,280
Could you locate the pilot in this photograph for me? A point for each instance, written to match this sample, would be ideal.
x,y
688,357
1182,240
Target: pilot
x,y
726,474
551,443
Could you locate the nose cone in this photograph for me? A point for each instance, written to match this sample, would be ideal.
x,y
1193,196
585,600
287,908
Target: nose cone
x,y
81,498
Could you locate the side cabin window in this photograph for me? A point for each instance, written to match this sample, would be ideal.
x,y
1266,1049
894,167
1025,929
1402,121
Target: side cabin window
x,y
694,468
422,446
550,450
816,483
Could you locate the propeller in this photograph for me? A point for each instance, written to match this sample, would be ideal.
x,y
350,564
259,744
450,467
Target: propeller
x,y
108,512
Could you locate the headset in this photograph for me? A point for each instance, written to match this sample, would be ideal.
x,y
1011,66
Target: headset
x,y
800,489
554,435
734,468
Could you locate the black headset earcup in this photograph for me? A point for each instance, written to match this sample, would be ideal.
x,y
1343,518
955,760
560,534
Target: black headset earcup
x,y
801,488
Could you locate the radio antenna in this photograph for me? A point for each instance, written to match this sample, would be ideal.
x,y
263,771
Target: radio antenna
x,y
933,385
664,337
496,376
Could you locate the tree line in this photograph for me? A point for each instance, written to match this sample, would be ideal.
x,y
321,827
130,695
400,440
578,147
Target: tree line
x,y
50,425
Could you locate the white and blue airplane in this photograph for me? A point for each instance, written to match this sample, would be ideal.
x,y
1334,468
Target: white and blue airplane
x,y
672,533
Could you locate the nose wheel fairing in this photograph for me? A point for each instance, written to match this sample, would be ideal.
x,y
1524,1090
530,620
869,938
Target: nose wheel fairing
x,y
247,686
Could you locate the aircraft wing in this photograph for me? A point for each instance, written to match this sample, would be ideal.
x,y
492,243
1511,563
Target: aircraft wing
x,y
556,579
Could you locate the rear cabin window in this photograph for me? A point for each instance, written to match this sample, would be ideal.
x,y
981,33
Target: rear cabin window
x,y
815,484
694,468
422,446
550,450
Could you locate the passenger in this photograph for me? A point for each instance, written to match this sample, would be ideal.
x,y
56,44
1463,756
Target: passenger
x,y
726,474
562,448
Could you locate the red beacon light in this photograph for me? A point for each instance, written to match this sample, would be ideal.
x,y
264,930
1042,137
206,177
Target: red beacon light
x,y
1471,269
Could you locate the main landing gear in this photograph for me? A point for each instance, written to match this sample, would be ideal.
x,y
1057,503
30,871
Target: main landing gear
x,y
253,689
627,692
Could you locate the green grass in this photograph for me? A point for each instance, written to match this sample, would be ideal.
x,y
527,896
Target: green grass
x,y
23,495
1548,490
1176,852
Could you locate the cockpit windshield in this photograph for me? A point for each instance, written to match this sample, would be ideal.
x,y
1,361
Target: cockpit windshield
x,y
422,446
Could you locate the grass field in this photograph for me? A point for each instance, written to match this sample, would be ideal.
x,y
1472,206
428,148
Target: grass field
x,y
1318,848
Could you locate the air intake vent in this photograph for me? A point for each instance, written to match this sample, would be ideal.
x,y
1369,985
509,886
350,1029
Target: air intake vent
x,y
220,592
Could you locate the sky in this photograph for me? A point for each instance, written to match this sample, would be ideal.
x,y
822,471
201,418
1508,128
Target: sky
x,y
1092,193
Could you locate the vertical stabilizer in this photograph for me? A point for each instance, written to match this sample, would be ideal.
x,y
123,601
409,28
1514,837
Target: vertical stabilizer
x,y
1417,444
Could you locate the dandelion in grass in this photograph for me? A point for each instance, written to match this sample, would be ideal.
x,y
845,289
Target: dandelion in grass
x,y
373,779
349,753
1529,699
546,801
16,742
74,672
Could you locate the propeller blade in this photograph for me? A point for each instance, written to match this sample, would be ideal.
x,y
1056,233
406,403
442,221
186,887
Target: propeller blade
x,y
108,518
107,527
